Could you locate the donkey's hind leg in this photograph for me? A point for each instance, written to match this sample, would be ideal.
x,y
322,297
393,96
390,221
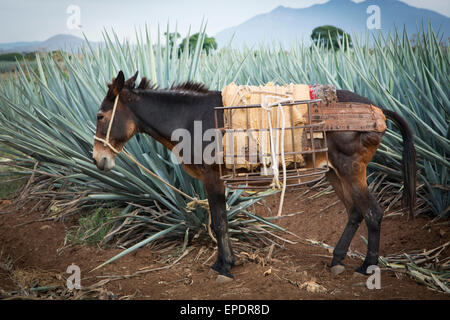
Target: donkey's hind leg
x,y
350,153
354,220
367,205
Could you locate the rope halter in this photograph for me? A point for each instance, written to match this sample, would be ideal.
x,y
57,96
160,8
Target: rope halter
x,y
105,141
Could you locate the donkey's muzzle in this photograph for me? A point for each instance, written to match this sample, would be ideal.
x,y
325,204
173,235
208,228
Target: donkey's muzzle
x,y
104,163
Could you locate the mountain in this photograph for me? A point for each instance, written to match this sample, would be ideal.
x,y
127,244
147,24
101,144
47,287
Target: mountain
x,y
59,42
11,45
285,25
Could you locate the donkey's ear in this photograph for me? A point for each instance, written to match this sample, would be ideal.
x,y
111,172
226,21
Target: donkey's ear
x,y
118,83
130,83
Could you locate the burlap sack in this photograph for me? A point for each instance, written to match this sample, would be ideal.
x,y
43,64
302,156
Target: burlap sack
x,y
256,141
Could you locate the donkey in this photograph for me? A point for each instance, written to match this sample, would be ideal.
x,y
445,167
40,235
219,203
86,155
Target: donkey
x,y
158,112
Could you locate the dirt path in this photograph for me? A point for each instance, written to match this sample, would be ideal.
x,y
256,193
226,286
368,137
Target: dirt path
x,y
37,246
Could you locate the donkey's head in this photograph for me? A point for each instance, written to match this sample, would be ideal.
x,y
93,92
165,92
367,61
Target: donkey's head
x,y
117,127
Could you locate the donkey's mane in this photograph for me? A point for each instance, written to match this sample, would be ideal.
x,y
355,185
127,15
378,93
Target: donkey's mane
x,y
145,84
147,87
190,86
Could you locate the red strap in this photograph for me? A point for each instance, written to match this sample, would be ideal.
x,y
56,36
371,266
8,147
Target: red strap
x,y
312,96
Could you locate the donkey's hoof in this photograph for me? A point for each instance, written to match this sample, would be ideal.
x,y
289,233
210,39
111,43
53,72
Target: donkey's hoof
x,y
337,270
358,275
360,271
212,272
223,279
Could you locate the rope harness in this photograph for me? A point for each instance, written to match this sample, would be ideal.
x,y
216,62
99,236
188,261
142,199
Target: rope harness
x,y
274,145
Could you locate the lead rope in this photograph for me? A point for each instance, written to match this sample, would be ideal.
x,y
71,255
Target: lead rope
x,y
190,205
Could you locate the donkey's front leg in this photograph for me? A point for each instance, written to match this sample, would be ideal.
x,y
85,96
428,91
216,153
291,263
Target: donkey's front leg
x,y
216,198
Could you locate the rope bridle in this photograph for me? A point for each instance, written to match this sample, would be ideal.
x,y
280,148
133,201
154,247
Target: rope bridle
x,y
108,132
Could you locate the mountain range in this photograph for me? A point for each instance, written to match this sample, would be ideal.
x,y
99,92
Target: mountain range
x,y
286,25
58,42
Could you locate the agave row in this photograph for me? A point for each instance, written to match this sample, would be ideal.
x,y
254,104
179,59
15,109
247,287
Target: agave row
x,y
48,112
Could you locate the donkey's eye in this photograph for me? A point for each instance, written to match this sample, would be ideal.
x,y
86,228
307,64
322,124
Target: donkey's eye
x,y
99,117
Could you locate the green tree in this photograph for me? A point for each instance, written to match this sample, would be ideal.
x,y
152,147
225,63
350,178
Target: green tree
x,y
11,56
330,37
173,36
209,43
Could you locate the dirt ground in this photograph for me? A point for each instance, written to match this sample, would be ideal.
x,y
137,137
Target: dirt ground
x,y
39,247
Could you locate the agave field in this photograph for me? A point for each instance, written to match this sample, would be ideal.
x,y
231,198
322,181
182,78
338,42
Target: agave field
x,y
48,112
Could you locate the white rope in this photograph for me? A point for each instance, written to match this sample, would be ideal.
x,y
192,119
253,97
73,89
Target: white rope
x,y
110,124
283,162
274,146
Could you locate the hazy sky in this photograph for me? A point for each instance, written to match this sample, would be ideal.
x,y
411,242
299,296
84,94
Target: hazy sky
x,y
29,20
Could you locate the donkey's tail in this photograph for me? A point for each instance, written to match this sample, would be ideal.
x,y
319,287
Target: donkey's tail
x,y
408,162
